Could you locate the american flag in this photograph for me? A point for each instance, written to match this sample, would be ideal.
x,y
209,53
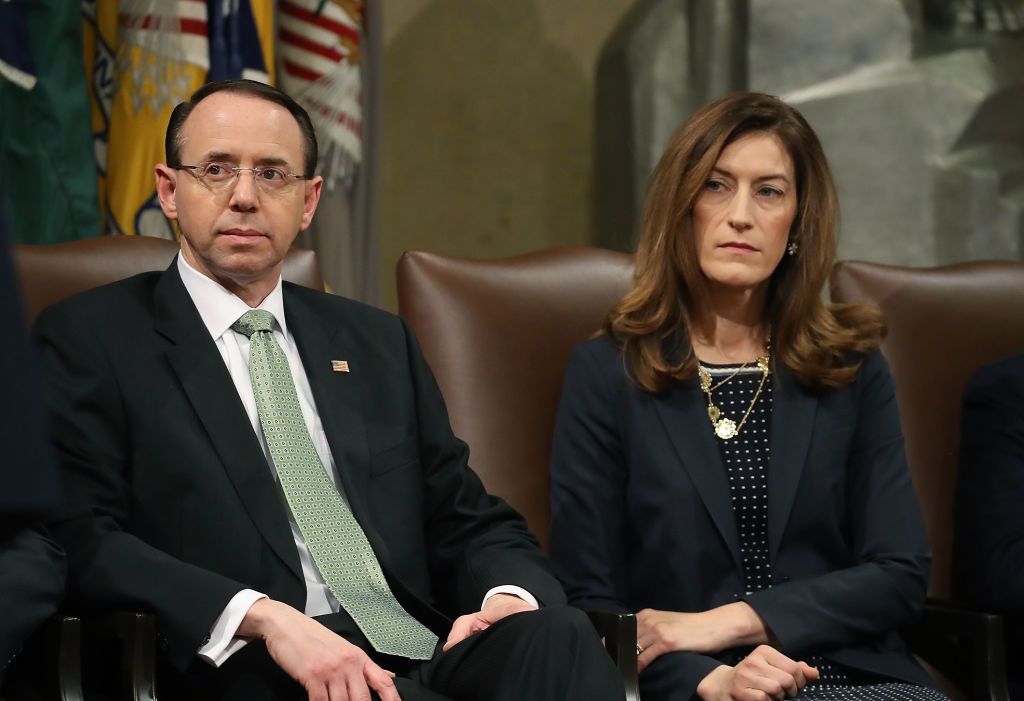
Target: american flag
x,y
319,42
339,365
176,30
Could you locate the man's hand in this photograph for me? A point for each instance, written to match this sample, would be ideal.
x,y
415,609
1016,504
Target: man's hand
x,y
496,608
329,667
762,675
658,632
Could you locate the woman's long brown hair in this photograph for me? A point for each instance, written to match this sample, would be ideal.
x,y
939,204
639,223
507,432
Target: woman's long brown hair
x,y
822,343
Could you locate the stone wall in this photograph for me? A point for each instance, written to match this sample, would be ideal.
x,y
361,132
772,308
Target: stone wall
x,y
923,126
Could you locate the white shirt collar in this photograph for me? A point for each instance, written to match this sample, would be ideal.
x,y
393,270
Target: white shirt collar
x,y
219,307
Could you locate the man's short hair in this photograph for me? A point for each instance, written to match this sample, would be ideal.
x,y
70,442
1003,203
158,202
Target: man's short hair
x,y
172,140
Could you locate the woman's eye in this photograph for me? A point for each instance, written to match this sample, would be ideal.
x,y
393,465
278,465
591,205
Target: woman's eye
x,y
714,186
769,192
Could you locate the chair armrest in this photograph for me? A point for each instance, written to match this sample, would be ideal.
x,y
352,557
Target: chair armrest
x,y
619,633
950,634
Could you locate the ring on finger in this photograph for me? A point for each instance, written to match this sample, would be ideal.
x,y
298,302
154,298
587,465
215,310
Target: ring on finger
x,y
639,649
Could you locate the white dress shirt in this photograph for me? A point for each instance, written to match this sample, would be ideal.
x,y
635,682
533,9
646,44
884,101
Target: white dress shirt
x,y
219,309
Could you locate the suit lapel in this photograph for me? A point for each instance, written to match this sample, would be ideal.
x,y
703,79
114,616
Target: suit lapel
x,y
207,383
321,340
793,412
683,412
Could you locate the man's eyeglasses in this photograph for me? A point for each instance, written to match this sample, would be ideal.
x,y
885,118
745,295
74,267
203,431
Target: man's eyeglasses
x,y
221,176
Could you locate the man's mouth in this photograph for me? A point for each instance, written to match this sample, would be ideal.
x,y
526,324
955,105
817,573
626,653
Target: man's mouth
x,y
242,233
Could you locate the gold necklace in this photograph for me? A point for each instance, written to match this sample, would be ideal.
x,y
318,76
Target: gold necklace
x,y
733,374
725,428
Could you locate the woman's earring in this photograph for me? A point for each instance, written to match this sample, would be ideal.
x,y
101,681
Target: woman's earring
x,y
791,249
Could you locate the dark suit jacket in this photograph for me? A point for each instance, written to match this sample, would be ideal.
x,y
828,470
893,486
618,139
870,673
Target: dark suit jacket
x,y
31,584
641,513
172,505
988,557
28,477
31,566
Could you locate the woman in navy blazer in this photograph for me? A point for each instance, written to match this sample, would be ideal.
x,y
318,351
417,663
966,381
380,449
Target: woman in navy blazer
x,y
728,460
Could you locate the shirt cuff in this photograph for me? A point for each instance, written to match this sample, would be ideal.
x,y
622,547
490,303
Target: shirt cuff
x,y
514,591
222,643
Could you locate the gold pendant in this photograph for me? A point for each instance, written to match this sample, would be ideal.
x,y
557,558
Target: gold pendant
x,y
705,379
725,429
713,413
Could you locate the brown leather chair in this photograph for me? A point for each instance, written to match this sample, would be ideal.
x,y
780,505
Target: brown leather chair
x,y
49,273
497,335
944,323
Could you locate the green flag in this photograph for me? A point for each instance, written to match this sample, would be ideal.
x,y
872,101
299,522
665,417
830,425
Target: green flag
x,y
46,153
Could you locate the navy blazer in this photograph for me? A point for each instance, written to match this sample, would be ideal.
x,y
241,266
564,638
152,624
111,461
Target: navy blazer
x,y
642,518
988,536
172,506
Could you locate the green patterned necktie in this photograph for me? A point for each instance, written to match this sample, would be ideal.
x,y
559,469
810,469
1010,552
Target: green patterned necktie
x,y
334,538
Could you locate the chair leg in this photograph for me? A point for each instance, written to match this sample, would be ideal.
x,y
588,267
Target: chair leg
x,y
138,638
619,633
69,658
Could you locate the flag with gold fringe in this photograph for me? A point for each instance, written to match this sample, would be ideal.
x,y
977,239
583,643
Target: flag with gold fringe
x,y
145,56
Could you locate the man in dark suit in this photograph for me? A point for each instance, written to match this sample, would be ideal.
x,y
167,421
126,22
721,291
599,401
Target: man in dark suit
x,y
31,565
988,548
271,470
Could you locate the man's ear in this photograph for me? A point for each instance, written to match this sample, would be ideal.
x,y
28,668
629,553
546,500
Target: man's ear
x,y
166,184
311,197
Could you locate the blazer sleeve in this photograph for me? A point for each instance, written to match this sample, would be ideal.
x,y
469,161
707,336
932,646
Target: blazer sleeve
x,y
32,582
475,541
989,518
588,487
884,589
108,566
589,476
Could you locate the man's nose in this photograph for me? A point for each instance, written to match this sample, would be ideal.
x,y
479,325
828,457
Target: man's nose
x,y
245,193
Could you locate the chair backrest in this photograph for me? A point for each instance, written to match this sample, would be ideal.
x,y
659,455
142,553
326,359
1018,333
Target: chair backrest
x,y
51,272
497,335
944,323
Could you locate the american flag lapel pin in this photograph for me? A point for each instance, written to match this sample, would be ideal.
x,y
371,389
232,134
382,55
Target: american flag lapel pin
x,y
339,365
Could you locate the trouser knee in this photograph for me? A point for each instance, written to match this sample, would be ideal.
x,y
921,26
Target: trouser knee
x,y
563,623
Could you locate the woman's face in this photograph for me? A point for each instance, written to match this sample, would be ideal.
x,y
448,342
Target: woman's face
x,y
743,215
